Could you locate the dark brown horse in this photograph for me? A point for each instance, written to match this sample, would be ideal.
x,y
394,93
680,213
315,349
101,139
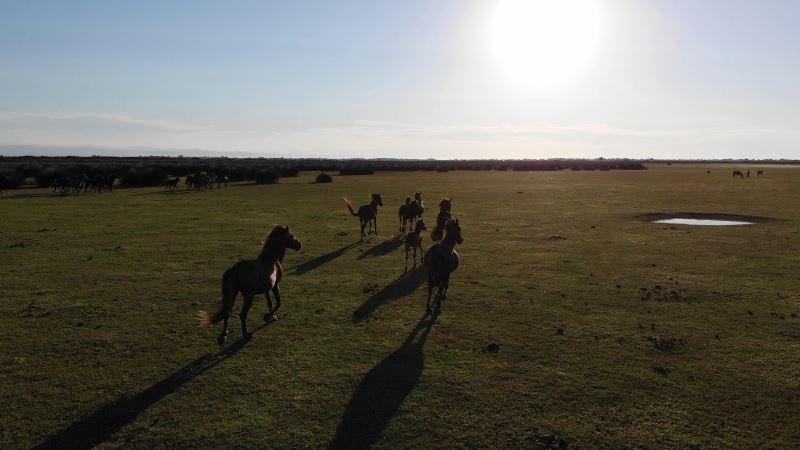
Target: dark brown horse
x,y
441,259
251,277
414,241
737,173
760,173
445,206
367,214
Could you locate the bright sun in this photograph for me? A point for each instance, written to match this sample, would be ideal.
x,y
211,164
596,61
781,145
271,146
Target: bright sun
x,y
545,44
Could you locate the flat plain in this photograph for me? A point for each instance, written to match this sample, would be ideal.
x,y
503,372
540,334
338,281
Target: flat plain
x,y
571,321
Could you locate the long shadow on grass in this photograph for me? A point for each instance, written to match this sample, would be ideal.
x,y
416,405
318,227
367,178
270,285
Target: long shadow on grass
x,y
165,192
384,247
399,288
383,390
103,423
310,265
40,195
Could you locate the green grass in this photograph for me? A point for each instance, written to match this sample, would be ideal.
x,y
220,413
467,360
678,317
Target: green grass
x,y
100,343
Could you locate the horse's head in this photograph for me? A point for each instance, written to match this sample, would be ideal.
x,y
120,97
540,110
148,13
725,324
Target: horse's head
x,y
446,204
408,200
418,196
282,237
420,226
377,199
454,229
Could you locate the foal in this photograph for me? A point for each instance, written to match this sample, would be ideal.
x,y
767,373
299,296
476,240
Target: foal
x,y
367,214
251,277
441,259
414,240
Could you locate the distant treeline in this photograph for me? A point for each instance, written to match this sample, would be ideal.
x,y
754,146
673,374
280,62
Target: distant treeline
x,y
152,171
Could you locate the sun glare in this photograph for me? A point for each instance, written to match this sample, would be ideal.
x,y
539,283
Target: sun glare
x,y
545,44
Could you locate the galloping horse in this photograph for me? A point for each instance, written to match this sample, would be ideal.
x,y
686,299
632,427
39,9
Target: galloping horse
x,y
445,206
367,214
171,183
441,259
414,240
737,173
411,211
251,277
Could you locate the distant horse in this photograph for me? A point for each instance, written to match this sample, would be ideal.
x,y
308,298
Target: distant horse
x,y
3,183
414,241
739,174
441,259
760,173
251,277
748,174
222,181
171,183
445,206
367,214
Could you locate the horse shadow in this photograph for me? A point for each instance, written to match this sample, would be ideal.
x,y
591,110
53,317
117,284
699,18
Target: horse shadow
x,y
382,390
312,264
41,195
103,423
384,247
166,192
399,288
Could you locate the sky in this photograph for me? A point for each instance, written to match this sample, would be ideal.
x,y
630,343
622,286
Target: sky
x,y
411,79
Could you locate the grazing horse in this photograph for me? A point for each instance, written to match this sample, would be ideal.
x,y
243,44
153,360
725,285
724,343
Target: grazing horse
x,y
445,206
414,241
251,277
760,173
737,173
441,259
171,183
367,214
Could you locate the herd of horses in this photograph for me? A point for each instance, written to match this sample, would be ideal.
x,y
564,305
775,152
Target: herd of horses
x,y
738,173
199,182
263,274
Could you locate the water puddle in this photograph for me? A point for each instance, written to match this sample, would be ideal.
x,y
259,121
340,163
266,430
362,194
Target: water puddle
x,y
702,222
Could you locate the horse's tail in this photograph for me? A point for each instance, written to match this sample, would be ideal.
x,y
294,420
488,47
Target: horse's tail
x,y
349,206
223,307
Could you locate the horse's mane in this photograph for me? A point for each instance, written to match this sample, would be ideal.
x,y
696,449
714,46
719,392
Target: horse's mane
x,y
271,235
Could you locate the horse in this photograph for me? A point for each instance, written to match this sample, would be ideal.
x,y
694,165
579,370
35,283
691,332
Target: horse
x,y
3,183
445,206
410,212
367,214
222,181
441,260
760,173
414,241
739,174
251,277
171,183
748,174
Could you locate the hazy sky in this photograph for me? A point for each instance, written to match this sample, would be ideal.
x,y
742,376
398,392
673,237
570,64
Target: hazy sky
x,y
415,79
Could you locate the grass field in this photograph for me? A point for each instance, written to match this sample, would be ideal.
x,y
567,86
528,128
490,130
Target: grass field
x,y
624,333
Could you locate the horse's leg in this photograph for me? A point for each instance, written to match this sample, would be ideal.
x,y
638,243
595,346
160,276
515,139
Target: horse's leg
x,y
375,219
269,315
363,225
415,256
248,302
276,291
431,281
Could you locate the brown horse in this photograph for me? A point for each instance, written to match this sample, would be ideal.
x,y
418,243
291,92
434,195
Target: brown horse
x,y
445,206
251,277
760,173
367,214
441,259
414,241
737,173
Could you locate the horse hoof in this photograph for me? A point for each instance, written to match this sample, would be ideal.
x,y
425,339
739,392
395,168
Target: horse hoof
x,y
221,339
